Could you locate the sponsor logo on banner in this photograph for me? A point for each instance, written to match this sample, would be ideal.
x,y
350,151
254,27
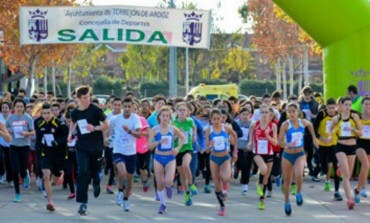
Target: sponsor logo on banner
x,y
192,28
37,25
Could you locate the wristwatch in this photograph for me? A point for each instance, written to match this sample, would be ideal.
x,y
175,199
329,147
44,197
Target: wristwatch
x,y
96,128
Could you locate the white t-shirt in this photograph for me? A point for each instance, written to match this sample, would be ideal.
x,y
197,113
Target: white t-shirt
x,y
110,116
123,142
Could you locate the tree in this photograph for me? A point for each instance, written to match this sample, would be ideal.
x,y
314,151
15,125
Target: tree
x,y
237,61
276,36
28,58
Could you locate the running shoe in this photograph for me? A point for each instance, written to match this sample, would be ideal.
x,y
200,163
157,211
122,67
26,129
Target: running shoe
x,y
207,189
83,209
162,209
193,190
71,196
188,201
350,204
337,196
50,207
44,194
26,183
357,196
126,205
39,183
363,192
269,193
278,181
2,179
288,209
119,198
109,189
299,199
145,189
293,189
222,211
136,179
17,198
96,188
259,190
261,205
169,192
327,186
315,179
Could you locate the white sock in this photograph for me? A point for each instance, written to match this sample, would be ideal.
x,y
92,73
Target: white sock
x,y
161,197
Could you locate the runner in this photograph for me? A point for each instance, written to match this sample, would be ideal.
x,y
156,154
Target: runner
x,y
347,126
291,139
263,134
108,150
20,125
218,136
142,151
51,136
5,146
162,139
363,151
244,162
125,128
183,158
327,141
90,121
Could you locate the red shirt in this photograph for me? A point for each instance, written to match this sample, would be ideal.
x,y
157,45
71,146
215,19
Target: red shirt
x,y
262,146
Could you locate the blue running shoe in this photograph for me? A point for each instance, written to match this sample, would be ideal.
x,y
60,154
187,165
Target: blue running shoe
x,y
299,199
288,209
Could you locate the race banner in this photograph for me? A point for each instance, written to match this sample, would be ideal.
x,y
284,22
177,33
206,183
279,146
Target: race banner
x,y
115,24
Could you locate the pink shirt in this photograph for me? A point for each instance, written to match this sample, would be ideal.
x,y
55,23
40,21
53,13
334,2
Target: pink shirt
x,y
142,142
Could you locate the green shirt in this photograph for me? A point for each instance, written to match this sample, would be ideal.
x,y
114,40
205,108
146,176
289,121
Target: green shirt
x,y
186,127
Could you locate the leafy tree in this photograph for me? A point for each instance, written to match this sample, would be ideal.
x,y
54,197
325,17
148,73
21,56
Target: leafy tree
x,y
27,58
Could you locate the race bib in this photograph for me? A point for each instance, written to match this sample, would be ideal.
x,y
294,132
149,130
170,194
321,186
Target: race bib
x,y
186,134
219,143
48,139
18,132
366,131
343,127
166,143
82,125
262,146
297,138
245,134
328,126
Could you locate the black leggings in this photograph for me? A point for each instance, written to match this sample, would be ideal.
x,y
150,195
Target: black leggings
x,y
204,166
244,164
70,170
8,164
18,159
109,167
327,155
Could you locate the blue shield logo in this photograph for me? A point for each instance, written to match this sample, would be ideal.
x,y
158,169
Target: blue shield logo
x,y
38,25
192,28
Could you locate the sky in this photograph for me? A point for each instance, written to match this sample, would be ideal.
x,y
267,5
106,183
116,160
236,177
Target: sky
x,y
226,11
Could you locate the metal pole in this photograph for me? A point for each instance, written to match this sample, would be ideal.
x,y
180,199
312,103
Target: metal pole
x,y
172,71
45,80
187,70
54,84
69,79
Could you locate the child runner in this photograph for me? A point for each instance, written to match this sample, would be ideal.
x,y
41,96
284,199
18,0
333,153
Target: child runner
x,y
327,141
161,138
218,136
363,151
263,134
185,124
347,126
125,128
291,139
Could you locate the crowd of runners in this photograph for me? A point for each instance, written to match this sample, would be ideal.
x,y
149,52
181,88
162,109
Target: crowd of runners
x,y
182,143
